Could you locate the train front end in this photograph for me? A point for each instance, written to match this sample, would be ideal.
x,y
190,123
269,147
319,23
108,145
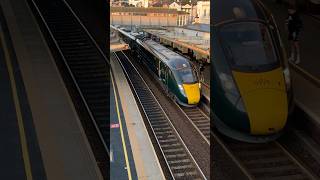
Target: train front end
x,y
251,91
188,92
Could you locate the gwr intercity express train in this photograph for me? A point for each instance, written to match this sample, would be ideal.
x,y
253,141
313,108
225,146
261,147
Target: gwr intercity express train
x,y
175,73
251,90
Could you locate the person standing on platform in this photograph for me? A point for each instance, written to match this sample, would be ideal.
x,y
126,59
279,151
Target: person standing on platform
x,y
294,26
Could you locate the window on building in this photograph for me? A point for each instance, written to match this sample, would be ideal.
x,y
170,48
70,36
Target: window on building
x,y
204,12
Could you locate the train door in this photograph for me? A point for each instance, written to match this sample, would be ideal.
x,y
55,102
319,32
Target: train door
x,y
164,74
166,78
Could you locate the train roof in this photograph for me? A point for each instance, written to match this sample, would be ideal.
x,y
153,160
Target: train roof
x,y
171,58
229,10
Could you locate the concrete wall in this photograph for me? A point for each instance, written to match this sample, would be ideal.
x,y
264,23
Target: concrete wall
x,y
143,20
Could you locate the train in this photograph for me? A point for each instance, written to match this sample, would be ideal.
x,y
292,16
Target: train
x,y
251,91
176,74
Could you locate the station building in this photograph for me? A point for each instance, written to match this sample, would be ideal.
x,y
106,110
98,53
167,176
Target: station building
x,y
152,16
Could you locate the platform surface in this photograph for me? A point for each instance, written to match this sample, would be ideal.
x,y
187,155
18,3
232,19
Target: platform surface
x,y
62,144
309,37
145,159
20,149
306,92
307,96
121,159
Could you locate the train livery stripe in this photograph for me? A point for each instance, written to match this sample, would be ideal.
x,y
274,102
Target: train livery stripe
x,y
193,93
265,100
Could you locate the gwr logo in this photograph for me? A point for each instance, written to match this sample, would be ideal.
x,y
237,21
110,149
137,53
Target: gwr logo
x,y
262,82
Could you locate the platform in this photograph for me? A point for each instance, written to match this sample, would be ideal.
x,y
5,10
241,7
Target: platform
x,y
307,96
17,128
116,44
121,159
309,37
144,156
306,75
47,140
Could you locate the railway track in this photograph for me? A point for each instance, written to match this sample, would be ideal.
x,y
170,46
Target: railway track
x,y
264,161
85,70
200,120
179,160
269,161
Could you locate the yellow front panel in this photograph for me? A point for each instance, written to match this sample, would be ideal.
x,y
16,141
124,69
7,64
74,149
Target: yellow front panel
x,y
265,99
193,93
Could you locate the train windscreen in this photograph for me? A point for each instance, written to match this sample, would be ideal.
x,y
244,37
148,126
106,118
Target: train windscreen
x,y
184,70
188,76
248,45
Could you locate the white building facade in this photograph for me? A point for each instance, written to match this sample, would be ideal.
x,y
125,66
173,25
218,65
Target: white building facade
x,y
190,9
203,12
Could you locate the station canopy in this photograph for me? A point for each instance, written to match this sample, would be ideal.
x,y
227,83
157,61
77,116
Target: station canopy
x,y
226,10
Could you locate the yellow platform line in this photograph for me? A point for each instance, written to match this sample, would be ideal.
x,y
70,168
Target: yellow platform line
x,y
121,131
23,140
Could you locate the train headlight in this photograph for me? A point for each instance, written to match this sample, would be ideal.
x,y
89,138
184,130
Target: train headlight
x,y
240,105
181,89
287,78
231,91
228,84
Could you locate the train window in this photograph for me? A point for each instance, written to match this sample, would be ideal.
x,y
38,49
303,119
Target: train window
x,y
248,45
183,71
187,75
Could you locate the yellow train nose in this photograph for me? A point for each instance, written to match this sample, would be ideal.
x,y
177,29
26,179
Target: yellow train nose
x,y
192,92
265,99
267,111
